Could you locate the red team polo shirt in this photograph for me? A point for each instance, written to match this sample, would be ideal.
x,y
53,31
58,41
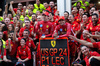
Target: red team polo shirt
x,y
45,28
91,54
92,28
13,48
63,31
22,30
23,53
29,42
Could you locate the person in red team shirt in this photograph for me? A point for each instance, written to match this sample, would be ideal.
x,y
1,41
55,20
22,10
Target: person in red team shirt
x,y
94,26
51,7
23,53
29,27
62,30
11,48
91,58
44,28
74,24
74,29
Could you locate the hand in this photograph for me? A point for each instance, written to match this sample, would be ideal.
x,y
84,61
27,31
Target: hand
x,y
43,37
16,29
2,25
6,6
9,39
24,7
19,60
37,43
11,2
55,38
78,65
7,60
55,34
78,58
72,37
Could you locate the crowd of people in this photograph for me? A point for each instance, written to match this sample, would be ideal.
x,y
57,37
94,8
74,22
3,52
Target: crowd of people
x,y
21,28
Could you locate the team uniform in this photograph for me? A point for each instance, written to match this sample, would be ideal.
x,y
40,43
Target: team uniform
x,y
44,28
24,53
63,31
31,28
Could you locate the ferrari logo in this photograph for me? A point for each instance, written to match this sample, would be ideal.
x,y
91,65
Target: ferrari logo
x,y
53,43
90,28
31,28
47,26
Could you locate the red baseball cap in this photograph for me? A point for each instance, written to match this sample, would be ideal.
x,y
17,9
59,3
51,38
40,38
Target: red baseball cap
x,y
61,18
46,13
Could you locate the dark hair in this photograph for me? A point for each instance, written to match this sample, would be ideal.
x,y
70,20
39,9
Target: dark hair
x,y
85,14
45,2
5,27
66,12
51,13
24,39
94,14
11,32
27,31
94,7
27,20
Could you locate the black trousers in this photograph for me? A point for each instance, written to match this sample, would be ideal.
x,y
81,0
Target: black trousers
x,y
14,60
94,62
82,62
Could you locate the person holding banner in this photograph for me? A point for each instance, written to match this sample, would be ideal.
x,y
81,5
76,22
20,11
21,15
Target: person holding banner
x,y
63,29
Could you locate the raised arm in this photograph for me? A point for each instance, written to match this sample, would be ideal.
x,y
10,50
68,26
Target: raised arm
x,y
83,42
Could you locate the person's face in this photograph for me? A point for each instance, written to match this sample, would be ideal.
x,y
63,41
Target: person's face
x,y
45,18
75,10
79,4
25,34
50,16
94,19
7,21
84,18
81,11
31,7
92,10
20,6
51,4
27,24
1,35
61,22
70,18
10,16
39,18
91,5
85,50
29,12
19,12
38,2
22,42
15,19
38,13
45,5
65,15
10,27
11,35
33,17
